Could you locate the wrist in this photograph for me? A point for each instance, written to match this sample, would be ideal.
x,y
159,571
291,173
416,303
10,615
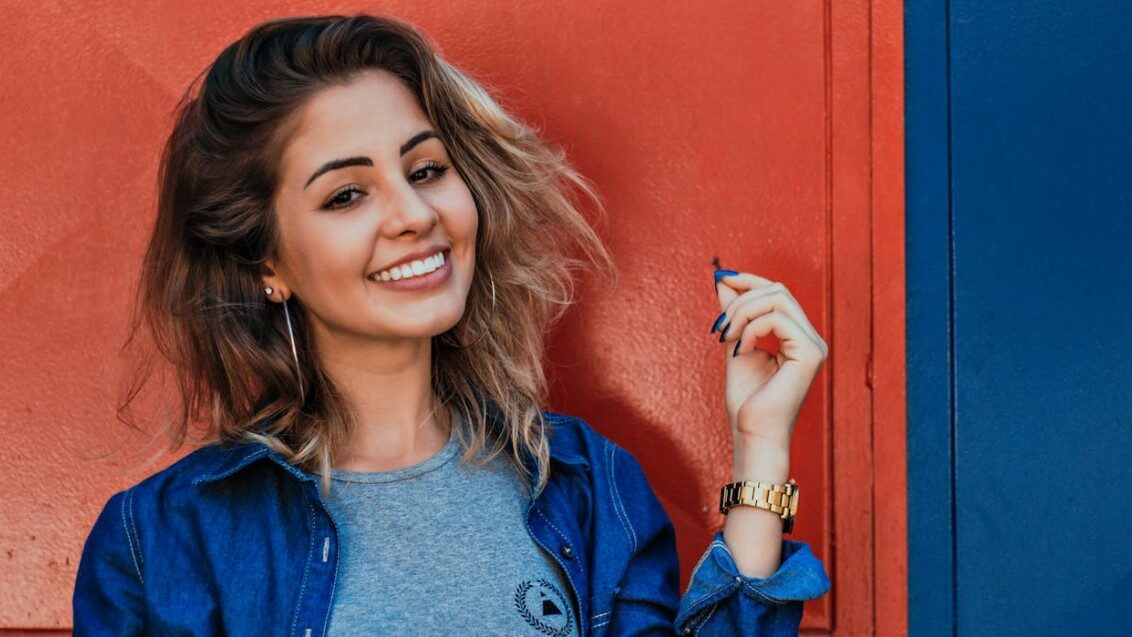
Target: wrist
x,y
759,461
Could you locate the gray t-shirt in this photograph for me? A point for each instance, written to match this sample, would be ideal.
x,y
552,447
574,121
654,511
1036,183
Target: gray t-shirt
x,y
441,549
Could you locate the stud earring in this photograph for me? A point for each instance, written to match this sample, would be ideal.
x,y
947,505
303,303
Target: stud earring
x,y
268,290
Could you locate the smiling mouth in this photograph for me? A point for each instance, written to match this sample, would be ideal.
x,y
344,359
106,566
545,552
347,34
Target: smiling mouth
x,y
414,269
427,274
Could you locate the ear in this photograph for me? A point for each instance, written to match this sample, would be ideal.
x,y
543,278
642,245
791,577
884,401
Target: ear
x,y
271,279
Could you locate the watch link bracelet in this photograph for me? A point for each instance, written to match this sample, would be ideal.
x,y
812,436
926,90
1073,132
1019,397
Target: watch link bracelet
x,y
777,498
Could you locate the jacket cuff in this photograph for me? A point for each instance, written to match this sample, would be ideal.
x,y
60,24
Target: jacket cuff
x,y
716,578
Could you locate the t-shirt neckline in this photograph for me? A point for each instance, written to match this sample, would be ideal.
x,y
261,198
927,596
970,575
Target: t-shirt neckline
x,y
446,453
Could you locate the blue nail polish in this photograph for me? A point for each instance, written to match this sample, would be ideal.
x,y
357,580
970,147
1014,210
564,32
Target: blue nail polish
x,y
736,352
715,326
719,274
723,334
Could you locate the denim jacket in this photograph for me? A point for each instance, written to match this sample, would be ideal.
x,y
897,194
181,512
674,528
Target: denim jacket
x,y
233,539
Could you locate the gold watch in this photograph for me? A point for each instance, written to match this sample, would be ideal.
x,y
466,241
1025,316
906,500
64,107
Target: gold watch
x,y
777,498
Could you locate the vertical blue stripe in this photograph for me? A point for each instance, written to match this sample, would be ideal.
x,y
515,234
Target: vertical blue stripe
x,y
931,561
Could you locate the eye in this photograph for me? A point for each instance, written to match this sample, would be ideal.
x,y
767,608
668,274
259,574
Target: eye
x,y
436,168
341,199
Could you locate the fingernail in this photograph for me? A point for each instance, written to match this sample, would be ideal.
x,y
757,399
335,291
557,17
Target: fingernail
x,y
736,352
715,326
719,274
723,334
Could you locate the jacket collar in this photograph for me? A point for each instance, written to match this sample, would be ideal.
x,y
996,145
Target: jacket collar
x,y
236,456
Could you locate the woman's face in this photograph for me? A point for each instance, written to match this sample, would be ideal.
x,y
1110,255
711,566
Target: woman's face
x,y
364,184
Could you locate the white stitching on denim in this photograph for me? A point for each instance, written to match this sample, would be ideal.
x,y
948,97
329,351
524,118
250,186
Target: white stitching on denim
x,y
594,617
581,567
129,539
746,584
700,562
617,504
700,624
334,579
134,524
713,592
743,579
303,585
695,569
255,455
694,624
703,558
217,464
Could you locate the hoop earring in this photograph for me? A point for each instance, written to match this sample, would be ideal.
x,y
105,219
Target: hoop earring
x,y
455,342
294,351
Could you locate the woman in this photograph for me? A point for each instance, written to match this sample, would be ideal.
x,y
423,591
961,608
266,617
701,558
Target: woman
x,y
356,256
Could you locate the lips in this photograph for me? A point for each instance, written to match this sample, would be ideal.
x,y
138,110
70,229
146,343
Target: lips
x,y
426,281
420,255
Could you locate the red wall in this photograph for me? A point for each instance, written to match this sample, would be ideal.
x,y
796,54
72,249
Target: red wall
x,y
769,134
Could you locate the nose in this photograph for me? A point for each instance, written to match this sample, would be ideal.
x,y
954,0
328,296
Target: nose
x,y
409,212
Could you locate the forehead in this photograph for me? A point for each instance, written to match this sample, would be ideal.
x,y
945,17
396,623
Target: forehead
x,y
375,111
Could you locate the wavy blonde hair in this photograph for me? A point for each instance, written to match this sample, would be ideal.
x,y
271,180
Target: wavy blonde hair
x,y
201,295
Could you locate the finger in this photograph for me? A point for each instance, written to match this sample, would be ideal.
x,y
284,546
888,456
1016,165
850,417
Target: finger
x,y
735,318
794,343
748,305
799,316
741,281
729,286
731,320
726,295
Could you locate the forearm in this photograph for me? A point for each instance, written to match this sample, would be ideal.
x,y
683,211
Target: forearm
x,y
753,535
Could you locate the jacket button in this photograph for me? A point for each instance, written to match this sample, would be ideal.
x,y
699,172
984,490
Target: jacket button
x,y
567,551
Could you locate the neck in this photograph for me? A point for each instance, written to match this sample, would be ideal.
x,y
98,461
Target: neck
x,y
398,420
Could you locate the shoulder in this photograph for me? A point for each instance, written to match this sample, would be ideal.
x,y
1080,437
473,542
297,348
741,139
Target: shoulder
x,y
570,432
115,538
575,438
180,474
169,488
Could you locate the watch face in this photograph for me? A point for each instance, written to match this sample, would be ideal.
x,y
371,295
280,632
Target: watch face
x,y
794,502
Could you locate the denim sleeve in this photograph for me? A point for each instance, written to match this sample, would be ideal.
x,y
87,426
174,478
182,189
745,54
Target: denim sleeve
x,y
722,601
108,597
719,600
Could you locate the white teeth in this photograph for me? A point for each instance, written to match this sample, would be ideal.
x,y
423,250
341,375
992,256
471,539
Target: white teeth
x,y
416,268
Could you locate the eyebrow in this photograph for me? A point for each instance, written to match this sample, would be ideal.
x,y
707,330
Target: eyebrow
x,y
335,164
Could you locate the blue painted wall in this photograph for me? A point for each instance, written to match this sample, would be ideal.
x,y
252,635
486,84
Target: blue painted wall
x,y
1019,255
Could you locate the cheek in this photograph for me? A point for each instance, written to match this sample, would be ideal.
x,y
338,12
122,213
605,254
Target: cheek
x,y
464,214
469,223
333,252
